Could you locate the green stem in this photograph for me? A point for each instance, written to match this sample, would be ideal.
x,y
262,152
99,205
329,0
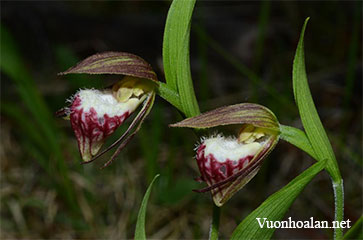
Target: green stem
x,y
339,207
213,234
297,138
169,95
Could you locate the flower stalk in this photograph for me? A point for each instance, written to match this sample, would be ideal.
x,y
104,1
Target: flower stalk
x,y
214,228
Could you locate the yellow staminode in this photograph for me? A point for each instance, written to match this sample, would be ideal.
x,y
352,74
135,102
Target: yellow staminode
x,y
249,134
130,87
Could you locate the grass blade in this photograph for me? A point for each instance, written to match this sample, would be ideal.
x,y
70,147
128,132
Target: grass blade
x,y
140,224
12,65
275,207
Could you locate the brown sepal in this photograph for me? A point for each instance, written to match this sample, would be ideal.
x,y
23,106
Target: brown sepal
x,y
114,63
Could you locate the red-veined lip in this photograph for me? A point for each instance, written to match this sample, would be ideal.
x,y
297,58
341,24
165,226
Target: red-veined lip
x,y
95,115
219,158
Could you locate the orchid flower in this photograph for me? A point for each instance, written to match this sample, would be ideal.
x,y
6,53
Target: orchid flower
x,y
96,114
227,164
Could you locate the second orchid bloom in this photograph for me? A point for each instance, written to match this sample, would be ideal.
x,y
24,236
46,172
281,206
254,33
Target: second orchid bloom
x,y
227,164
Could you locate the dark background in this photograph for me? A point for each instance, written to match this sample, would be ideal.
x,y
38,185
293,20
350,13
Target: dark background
x,y
240,52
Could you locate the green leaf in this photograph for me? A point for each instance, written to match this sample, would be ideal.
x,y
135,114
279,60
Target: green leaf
x,y
140,224
185,82
275,207
298,138
308,113
176,54
314,128
176,27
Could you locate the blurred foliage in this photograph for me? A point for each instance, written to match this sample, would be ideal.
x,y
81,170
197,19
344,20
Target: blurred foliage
x,y
46,193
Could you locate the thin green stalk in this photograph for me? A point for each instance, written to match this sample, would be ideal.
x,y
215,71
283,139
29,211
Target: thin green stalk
x,y
339,207
213,234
